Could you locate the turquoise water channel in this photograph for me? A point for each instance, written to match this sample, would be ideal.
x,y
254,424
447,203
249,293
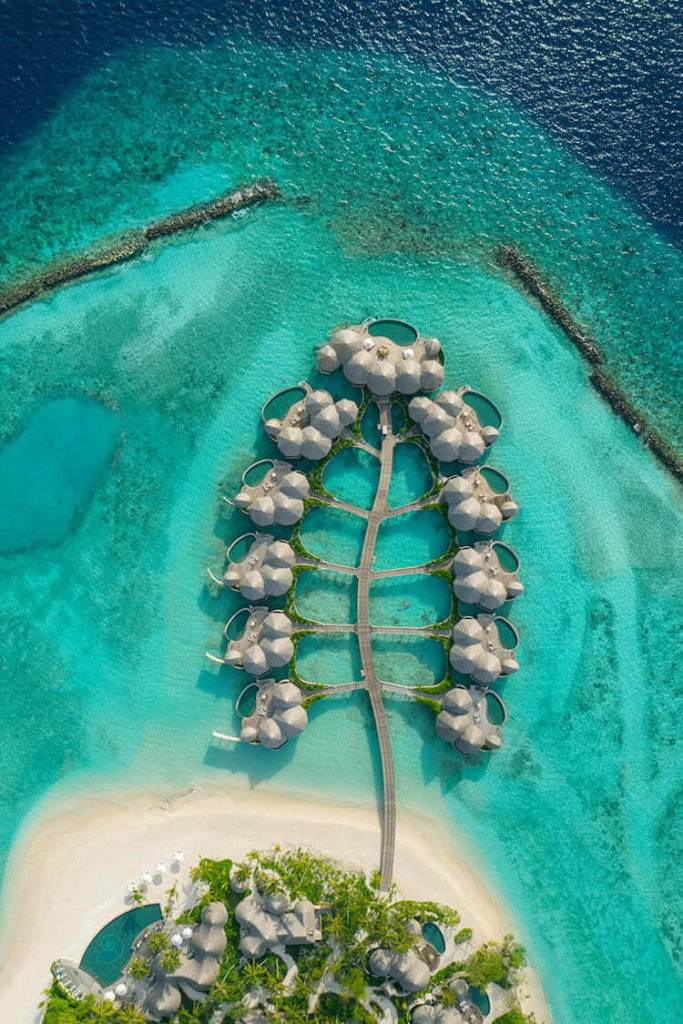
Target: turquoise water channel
x,y
106,619
106,632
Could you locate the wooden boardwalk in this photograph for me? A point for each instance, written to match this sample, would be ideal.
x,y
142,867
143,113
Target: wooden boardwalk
x,y
365,573
377,513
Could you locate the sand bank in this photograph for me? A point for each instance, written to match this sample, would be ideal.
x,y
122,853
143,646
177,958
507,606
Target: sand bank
x,y
69,872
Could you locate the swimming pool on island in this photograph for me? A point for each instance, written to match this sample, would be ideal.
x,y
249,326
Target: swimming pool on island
x,y
110,950
432,934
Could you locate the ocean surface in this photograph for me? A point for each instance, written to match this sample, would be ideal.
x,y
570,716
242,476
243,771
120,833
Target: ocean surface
x,y
128,401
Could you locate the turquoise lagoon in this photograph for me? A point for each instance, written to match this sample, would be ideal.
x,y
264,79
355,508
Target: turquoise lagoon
x,y
577,821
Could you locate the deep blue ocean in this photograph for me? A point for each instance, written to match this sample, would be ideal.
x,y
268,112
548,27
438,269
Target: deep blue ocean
x,y
409,141
603,76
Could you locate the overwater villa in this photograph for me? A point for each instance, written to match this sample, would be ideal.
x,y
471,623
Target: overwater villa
x,y
264,571
278,498
400,372
265,642
481,577
310,426
473,502
278,714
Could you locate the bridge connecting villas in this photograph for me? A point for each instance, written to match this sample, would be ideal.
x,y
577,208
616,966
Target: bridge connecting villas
x,y
392,366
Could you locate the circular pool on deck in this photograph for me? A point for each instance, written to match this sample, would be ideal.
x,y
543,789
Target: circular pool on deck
x,y
397,331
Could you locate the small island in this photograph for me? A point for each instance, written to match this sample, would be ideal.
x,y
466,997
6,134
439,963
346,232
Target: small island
x,y
287,937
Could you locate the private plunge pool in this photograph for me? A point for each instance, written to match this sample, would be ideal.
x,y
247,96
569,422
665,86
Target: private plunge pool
x,y
432,934
395,330
111,949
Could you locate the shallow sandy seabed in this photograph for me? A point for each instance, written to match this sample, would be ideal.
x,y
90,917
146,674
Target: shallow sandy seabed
x,y
70,870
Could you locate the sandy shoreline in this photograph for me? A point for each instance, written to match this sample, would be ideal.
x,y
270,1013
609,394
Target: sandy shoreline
x,y
68,872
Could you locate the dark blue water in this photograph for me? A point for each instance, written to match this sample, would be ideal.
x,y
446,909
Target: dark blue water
x,y
602,75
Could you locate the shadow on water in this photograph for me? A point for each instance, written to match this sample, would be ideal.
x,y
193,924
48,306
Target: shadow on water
x,y
438,761
258,763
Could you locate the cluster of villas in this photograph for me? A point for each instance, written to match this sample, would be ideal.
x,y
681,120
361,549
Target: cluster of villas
x,y
389,360
271,924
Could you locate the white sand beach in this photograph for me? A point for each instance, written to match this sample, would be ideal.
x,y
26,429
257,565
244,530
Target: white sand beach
x,y
69,871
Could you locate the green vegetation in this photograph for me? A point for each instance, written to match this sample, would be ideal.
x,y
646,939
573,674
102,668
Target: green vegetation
x,y
170,960
495,962
433,705
333,1008
295,541
438,688
60,1008
158,942
301,683
309,701
354,428
215,874
139,968
356,918
513,1016
291,609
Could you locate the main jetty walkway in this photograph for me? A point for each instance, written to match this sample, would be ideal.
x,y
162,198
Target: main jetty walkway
x,y
482,572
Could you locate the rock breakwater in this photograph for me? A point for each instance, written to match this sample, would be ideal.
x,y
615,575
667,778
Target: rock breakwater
x,y
133,243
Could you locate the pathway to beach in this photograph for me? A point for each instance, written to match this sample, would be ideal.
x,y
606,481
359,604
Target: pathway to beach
x,y
365,573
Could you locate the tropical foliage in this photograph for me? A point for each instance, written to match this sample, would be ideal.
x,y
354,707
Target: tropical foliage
x,y
332,982
494,963
513,1016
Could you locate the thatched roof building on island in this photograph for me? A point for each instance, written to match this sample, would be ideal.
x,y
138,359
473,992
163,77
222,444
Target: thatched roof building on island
x,y
408,970
270,921
200,961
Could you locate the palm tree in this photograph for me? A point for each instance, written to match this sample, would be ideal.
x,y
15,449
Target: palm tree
x,y
132,1015
254,972
194,1015
219,993
102,1011
242,871
138,968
